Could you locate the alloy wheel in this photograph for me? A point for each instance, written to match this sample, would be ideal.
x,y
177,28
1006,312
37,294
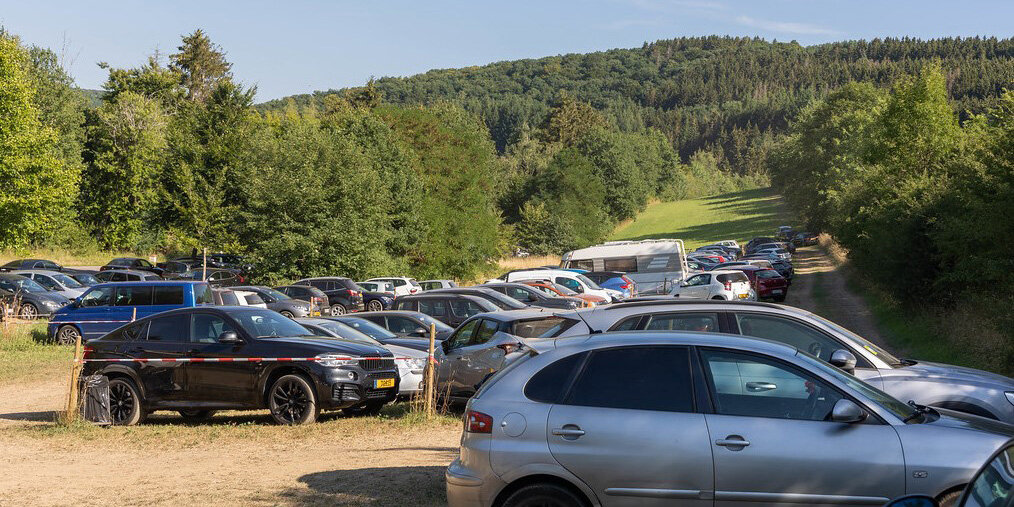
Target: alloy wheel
x,y
122,402
28,311
337,310
67,335
290,401
375,306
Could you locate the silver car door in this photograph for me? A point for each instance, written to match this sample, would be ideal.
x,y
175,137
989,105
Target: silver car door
x,y
449,370
773,445
478,359
629,430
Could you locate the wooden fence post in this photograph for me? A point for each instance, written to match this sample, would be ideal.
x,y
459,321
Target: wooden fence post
x,y
430,388
75,373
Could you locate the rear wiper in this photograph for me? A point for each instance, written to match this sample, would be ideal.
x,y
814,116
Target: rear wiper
x,y
919,410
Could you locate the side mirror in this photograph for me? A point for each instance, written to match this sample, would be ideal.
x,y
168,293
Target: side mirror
x,y
843,360
420,332
913,501
229,337
846,411
445,346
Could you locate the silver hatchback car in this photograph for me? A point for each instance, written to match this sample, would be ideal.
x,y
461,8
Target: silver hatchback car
x,y
650,418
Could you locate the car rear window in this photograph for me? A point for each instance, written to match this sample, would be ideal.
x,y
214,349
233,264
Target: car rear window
x,y
551,382
541,328
203,294
768,273
732,278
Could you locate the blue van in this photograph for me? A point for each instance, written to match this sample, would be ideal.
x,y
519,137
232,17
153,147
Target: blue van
x,y
108,306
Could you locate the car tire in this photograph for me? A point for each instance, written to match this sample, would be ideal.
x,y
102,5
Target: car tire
x,y
292,401
338,309
67,335
374,306
718,298
126,406
949,499
544,494
286,314
368,409
28,311
196,415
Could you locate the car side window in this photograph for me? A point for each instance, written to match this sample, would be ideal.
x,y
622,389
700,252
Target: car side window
x,y
754,386
487,328
206,328
551,382
171,328
135,331
433,307
790,333
406,305
463,308
401,324
463,335
520,294
703,322
47,282
132,296
636,378
628,324
168,295
570,283
101,296
399,283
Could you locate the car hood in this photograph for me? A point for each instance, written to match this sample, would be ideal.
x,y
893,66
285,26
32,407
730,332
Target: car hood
x,y
400,351
327,344
961,420
951,373
289,303
51,296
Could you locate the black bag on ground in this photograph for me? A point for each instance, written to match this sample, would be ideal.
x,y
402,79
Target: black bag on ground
x,y
96,400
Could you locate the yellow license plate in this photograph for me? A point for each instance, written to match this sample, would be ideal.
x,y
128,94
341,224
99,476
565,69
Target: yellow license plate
x,y
385,382
743,296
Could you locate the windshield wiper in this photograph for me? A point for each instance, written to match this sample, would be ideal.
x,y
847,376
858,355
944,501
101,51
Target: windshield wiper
x,y
919,411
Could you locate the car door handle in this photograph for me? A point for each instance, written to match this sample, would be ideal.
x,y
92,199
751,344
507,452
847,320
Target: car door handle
x,y
732,442
756,387
568,432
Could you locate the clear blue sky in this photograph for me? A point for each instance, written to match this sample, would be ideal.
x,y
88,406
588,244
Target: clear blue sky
x,y
297,46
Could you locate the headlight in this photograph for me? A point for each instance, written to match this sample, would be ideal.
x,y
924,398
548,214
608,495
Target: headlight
x,y
1010,396
335,360
52,304
417,363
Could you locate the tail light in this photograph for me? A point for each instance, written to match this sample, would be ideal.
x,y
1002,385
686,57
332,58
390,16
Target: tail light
x,y
86,352
728,285
477,422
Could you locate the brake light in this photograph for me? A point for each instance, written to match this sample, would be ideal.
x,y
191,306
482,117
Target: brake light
x,y
625,286
86,351
477,422
728,285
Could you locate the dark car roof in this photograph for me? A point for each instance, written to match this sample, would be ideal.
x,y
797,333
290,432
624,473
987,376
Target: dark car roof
x,y
150,282
323,278
514,315
400,313
436,293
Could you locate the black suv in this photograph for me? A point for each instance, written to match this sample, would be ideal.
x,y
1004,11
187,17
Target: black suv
x,y
450,308
343,294
345,374
134,263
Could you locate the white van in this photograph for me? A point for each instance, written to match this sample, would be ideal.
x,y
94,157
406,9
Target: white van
x,y
569,279
655,265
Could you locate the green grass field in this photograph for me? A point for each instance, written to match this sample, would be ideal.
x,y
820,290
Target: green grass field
x,y
738,215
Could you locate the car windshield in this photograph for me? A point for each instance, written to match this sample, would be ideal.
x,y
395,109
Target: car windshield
x,y
768,273
268,324
873,348
67,281
426,319
347,332
587,281
26,284
86,279
893,405
368,328
564,290
273,295
505,302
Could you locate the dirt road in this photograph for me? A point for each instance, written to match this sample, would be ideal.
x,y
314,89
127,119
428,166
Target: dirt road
x,y
820,287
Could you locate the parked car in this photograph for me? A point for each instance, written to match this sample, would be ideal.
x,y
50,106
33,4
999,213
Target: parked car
x,y
107,306
84,278
27,299
485,343
249,298
614,280
732,243
308,293
377,296
705,255
377,286
231,261
730,253
295,392
410,361
701,419
573,281
991,486
697,267
31,264
387,338
132,263
126,275
402,286
500,299
726,285
175,269
555,289
281,303
54,281
783,267
939,385
769,286
449,308
216,277
407,324
776,251
437,284
805,239
756,242
343,294
528,295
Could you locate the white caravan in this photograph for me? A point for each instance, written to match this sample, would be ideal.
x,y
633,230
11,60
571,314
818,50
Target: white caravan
x,y
653,264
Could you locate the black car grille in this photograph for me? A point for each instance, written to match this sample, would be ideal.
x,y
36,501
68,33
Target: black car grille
x,y
383,374
376,364
378,393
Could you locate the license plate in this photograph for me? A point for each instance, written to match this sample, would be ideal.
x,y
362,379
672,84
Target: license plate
x,y
776,291
743,296
384,383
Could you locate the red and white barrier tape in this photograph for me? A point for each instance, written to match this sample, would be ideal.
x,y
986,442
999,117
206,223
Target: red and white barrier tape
x,y
237,359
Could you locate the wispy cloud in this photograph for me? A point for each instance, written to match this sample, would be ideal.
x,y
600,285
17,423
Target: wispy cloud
x,y
785,27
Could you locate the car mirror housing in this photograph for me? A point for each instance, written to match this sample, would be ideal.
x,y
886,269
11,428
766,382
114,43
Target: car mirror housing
x,y
420,332
913,501
229,337
846,411
843,360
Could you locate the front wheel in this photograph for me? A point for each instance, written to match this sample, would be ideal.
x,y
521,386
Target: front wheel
x,y
375,306
286,314
67,335
292,401
125,403
28,311
369,408
338,309
548,495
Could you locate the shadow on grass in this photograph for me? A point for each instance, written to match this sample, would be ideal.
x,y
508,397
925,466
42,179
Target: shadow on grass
x,y
400,485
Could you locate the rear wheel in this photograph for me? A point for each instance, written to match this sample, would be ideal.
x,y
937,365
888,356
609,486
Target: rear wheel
x,y
197,415
67,335
369,408
28,311
718,298
375,306
338,309
292,401
286,314
544,495
125,403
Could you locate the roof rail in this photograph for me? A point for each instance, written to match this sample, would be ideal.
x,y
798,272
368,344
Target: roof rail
x,y
634,304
